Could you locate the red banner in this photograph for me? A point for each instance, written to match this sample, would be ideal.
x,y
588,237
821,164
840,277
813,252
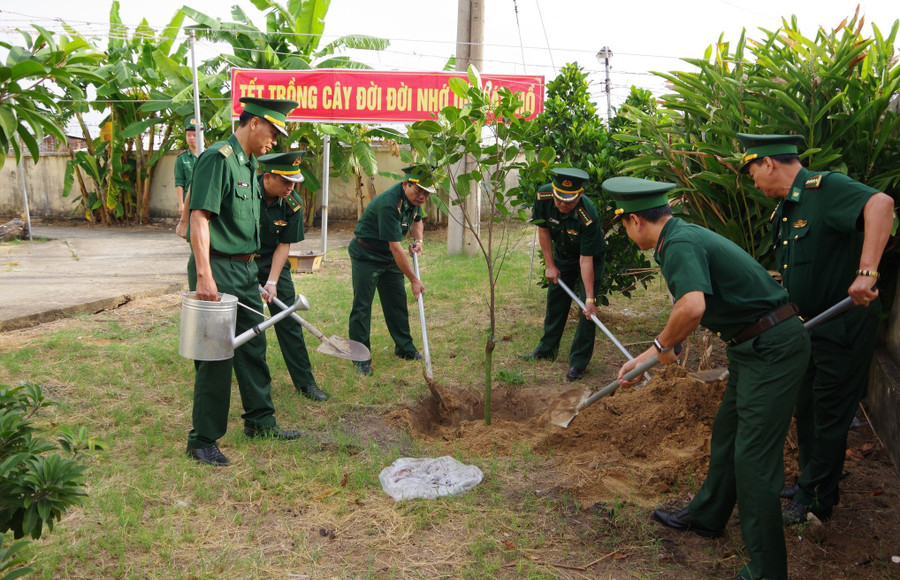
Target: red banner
x,y
354,96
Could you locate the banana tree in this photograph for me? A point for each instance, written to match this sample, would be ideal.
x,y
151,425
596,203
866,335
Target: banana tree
x,y
136,133
291,41
29,109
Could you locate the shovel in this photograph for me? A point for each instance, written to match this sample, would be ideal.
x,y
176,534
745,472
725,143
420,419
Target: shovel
x,y
566,407
334,346
428,372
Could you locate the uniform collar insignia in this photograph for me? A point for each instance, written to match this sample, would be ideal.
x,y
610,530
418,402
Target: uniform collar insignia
x,y
795,194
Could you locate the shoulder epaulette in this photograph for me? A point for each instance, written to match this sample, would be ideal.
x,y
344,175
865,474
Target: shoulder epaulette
x,y
293,202
814,181
585,218
544,195
226,151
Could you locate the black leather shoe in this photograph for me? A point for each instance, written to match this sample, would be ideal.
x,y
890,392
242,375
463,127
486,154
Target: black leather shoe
x,y
789,491
537,355
415,355
364,368
684,521
574,374
314,392
271,432
209,455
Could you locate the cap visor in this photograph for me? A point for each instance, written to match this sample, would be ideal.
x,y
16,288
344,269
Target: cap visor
x,y
565,197
297,178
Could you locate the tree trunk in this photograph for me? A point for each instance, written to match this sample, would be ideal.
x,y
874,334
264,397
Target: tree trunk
x,y
12,230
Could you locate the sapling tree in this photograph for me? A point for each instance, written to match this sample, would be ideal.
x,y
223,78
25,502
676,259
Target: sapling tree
x,y
481,144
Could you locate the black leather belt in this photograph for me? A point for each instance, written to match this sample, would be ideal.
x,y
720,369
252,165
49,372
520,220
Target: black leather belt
x,y
238,257
372,248
771,319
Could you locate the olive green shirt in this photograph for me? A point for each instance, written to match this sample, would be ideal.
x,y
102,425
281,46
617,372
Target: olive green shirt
x,y
574,234
387,218
184,169
281,222
738,290
225,184
818,237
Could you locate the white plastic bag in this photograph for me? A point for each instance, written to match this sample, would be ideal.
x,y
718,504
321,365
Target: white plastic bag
x,y
428,478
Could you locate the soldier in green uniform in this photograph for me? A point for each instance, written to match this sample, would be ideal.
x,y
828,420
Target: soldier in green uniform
x,y
224,232
379,261
572,242
716,284
829,232
184,169
281,224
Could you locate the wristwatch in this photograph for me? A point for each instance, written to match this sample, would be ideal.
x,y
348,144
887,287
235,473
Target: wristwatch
x,y
659,347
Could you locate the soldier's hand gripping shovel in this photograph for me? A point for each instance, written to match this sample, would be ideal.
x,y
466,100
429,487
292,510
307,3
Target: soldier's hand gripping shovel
x,y
567,406
427,352
334,346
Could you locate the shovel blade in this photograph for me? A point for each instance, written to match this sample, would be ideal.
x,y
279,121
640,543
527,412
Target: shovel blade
x,y
345,348
565,408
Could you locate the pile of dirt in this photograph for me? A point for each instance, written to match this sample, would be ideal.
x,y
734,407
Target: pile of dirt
x,y
635,445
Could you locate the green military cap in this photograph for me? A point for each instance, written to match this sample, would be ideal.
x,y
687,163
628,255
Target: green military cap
x,y
274,111
568,183
286,165
633,194
191,123
421,175
759,146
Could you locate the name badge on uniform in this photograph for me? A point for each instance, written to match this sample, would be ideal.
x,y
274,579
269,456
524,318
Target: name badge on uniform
x,y
243,184
553,221
404,224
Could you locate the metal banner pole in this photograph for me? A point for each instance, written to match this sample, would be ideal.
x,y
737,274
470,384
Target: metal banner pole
x,y
326,157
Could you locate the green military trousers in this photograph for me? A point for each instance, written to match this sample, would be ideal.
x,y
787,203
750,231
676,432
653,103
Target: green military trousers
x,y
834,384
288,332
373,271
557,313
746,462
212,381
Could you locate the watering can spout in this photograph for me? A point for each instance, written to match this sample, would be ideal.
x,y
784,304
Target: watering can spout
x,y
301,303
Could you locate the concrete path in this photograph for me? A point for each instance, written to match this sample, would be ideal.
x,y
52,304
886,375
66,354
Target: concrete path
x,y
89,269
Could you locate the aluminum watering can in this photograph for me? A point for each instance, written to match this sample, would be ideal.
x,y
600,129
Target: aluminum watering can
x,y
207,327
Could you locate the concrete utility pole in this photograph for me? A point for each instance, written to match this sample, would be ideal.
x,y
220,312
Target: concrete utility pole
x,y
603,56
469,50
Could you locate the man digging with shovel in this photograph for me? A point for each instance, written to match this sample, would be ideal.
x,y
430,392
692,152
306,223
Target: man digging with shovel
x,y
573,246
829,232
716,284
379,261
281,224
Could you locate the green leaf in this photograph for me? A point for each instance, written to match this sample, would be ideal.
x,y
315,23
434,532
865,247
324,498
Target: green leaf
x,y
27,68
138,127
459,87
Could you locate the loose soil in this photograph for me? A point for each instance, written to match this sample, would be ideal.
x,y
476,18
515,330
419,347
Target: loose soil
x,y
639,446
